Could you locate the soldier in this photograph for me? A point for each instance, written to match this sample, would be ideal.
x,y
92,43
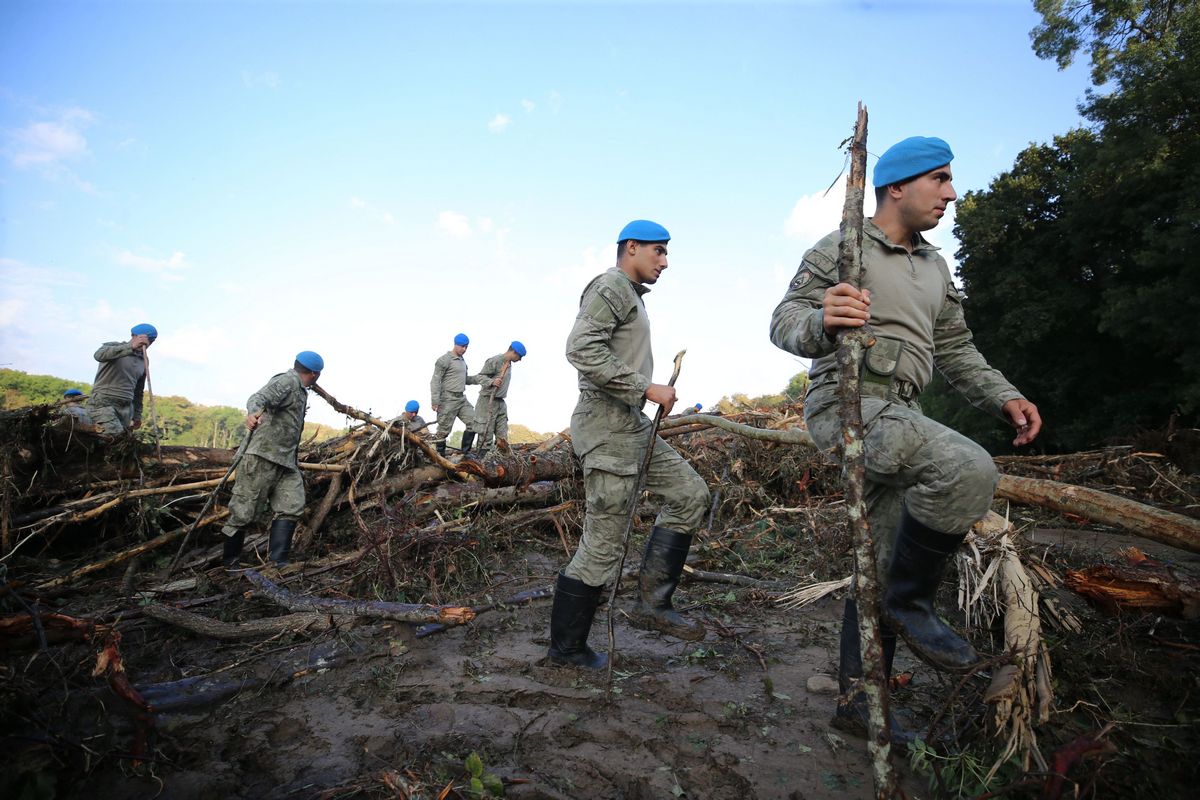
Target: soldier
x,y
411,419
926,483
268,473
71,407
116,401
491,412
450,379
610,347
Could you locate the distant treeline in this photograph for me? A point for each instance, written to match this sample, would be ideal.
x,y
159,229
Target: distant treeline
x,y
180,421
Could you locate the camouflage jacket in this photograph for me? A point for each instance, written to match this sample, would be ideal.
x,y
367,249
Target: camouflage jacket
x,y
284,399
449,377
120,378
414,425
916,314
610,342
490,371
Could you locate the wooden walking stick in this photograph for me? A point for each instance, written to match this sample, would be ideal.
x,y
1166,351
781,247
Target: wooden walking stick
x,y
153,416
237,458
852,343
639,485
492,404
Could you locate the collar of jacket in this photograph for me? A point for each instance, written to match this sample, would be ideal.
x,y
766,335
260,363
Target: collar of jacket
x,y
637,287
873,230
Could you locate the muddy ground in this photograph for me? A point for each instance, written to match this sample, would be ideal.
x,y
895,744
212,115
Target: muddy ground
x,y
373,711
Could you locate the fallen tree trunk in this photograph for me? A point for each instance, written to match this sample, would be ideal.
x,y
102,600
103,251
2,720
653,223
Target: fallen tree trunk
x,y
1146,521
233,631
401,612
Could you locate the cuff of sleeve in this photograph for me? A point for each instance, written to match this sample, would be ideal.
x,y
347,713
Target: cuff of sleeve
x,y
1003,398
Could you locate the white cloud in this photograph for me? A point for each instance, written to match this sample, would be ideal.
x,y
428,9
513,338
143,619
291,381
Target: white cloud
x,y
528,105
50,142
816,214
454,224
194,344
485,224
260,80
499,123
166,268
555,100
372,212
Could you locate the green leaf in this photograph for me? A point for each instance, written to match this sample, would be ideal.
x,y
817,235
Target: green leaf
x,y
474,765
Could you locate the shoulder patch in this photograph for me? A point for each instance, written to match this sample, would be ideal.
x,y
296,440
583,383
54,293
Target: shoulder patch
x,y
803,278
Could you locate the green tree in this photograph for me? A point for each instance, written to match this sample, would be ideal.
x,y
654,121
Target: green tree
x,y
1079,262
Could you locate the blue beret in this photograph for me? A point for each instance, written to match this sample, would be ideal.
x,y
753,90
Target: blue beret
x,y
518,348
72,393
461,340
412,406
643,230
145,328
311,361
914,156
698,407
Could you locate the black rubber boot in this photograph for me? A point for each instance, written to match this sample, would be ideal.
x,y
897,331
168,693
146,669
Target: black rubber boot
x,y
851,714
281,541
441,448
467,440
571,620
661,567
232,552
918,565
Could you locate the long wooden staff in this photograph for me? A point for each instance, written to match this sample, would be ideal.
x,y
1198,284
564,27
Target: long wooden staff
x,y
492,404
639,485
852,343
237,458
153,415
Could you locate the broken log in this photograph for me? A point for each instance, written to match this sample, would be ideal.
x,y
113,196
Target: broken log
x,y
401,612
125,555
233,631
789,436
1140,582
1137,518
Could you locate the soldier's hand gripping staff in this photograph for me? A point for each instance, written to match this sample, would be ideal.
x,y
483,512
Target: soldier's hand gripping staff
x,y
268,474
446,389
926,483
609,346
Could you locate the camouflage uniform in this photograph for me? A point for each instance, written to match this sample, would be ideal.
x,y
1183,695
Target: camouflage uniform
x,y
116,399
446,388
492,397
414,425
610,347
268,474
945,479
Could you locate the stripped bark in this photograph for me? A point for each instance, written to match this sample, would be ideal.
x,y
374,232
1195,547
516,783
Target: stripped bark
x,y
401,612
852,342
233,631
1147,521
789,436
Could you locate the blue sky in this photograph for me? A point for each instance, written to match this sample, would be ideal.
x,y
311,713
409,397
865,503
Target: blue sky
x,y
368,179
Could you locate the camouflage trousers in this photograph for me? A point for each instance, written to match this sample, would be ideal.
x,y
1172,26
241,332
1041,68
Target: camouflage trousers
x,y
263,484
450,408
112,415
944,479
489,423
610,438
